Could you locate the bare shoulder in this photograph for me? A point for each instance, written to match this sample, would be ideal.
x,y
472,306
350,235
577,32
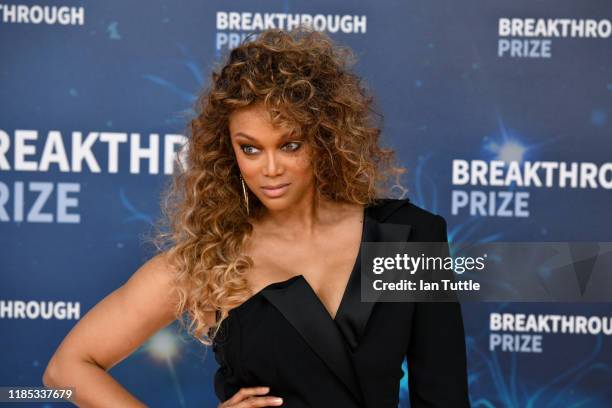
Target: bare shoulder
x,y
119,323
152,281
156,274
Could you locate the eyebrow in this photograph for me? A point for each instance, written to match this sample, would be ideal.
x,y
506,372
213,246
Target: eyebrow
x,y
284,137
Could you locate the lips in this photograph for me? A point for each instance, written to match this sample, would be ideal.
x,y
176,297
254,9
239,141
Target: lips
x,y
275,187
275,190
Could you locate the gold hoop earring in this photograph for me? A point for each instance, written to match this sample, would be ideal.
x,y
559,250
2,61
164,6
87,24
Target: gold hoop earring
x,y
244,193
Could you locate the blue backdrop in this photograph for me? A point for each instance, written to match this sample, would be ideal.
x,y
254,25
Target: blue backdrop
x,y
95,97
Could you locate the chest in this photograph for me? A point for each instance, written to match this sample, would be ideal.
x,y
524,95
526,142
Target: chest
x,y
298,346
325,263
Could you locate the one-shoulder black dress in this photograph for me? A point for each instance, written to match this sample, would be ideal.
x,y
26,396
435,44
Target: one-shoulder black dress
x,y
284,338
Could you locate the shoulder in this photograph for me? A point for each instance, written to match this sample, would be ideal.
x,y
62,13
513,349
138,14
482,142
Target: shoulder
x,y
403,211
425,224
152,287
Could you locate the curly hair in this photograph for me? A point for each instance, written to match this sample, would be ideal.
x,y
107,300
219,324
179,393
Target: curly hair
x,y
303,79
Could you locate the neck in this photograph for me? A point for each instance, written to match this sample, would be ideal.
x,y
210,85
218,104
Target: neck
x,y
301,219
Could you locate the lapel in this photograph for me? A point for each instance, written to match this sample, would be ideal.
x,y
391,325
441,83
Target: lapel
x,y
298,303
353,315
333,340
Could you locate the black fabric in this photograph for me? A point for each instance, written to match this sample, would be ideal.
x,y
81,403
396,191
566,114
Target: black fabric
x,y
284,338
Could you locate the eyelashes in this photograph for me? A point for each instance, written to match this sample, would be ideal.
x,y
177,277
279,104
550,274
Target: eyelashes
x,y
297,145
245,148
251,150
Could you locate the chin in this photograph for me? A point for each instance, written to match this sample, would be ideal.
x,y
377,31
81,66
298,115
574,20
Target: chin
x,y
278,203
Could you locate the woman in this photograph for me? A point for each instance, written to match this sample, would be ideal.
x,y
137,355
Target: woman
x,y
281,187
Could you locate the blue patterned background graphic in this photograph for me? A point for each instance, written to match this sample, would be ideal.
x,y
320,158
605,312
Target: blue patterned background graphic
x,y
445,94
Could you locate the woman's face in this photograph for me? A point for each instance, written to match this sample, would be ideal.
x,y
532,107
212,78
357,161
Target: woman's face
x,y
275,164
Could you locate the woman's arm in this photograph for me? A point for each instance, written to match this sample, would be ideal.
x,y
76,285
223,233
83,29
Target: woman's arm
x,y
109,333
437,367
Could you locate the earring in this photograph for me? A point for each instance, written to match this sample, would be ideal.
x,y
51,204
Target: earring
x,y
244,193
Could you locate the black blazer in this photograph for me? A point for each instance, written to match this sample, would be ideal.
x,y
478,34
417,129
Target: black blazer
x,y
284,338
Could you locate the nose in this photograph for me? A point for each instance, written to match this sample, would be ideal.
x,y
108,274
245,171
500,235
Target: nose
x,y
273,166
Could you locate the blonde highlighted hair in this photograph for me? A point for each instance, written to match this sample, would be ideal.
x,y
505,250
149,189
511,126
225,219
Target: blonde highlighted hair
x,y
303,79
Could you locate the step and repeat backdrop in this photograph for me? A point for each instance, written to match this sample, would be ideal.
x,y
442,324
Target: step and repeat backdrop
x,y
501,111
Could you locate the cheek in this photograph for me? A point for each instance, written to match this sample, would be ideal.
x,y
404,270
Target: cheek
x,y
302,165
247,167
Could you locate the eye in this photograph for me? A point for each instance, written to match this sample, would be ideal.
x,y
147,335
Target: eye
x,y
292,146
248,149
